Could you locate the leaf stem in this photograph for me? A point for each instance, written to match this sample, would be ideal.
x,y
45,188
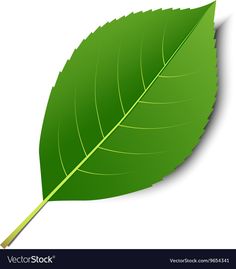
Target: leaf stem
x,y
14,234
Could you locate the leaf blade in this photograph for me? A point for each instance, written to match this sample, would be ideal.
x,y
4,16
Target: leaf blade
x,y
139,184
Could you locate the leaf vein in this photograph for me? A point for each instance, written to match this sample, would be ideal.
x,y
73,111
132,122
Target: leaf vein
x,y
118,82
100,174
95,99
59,151
153,128
177,76
162,46
141,65
77,125
165,103
130,153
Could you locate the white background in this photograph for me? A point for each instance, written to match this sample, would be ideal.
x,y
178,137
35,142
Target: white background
x,y
192,208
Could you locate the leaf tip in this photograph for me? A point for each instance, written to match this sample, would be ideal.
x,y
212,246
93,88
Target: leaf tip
x,y
212,6
213,3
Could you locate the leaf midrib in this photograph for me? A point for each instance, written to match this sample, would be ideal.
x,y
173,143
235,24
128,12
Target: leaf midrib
x,y
124,117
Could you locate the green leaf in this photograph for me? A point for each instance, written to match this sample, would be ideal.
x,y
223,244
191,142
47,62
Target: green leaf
x,y
130,105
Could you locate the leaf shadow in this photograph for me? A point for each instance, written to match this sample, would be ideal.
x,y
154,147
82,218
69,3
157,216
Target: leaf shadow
x,y
212,125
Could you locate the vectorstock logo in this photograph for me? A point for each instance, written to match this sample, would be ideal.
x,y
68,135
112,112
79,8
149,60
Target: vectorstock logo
x,y
30,259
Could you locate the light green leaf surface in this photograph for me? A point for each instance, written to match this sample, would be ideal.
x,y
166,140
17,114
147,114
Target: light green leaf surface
x,y
129,106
